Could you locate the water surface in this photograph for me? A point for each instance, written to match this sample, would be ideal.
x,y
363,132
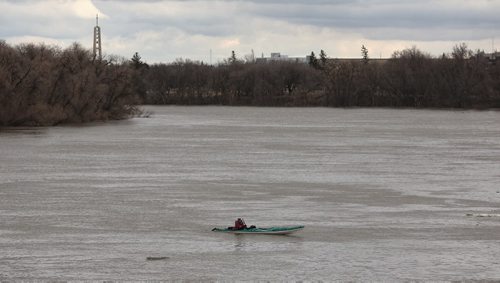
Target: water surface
x,y
383,194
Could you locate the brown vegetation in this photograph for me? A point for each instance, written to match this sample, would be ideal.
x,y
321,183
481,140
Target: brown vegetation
x,y
410,78
44,85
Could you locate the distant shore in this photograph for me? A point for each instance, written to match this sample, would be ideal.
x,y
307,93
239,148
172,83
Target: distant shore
x,y
44,85
463,79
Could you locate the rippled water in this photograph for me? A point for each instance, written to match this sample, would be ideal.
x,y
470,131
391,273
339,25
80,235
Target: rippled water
x,y
383,194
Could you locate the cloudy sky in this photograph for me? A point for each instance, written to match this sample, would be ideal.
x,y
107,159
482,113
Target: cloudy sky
x,y
163,30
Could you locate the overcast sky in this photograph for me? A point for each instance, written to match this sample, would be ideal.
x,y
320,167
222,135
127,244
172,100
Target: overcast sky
x,y
162,31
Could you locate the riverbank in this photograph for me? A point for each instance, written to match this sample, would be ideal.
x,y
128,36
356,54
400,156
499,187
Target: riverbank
x,y
44,85
411,78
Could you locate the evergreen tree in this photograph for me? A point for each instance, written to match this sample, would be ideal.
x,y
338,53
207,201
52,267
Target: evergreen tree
x,y
137,62
233,59
140,68
323,58
364,54
313,61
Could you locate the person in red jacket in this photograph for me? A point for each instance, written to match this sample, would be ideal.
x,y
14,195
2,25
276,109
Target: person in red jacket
x,y
239,224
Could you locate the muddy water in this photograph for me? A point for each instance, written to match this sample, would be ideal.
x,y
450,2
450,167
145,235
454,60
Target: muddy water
x,y
383,195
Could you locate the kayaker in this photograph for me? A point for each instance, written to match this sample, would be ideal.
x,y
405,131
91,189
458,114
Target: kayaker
x,y
239,224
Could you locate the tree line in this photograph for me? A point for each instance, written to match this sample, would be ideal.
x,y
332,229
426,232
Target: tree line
x,y
44,85
410,78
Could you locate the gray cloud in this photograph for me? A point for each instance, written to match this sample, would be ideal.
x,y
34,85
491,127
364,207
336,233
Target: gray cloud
x,y
366,16
164,30
360,16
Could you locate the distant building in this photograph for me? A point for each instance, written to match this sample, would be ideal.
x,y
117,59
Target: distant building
x,y
278,57
493,57
359,60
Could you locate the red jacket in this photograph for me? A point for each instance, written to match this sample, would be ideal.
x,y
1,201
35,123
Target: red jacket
x,y
239,224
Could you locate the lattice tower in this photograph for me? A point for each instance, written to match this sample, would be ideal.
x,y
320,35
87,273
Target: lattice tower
x,y
97,40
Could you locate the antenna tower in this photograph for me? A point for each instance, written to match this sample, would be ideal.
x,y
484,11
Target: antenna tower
x,y
97,40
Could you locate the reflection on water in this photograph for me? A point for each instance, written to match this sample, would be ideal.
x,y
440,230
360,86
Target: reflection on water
x,y
265,243
383,194
6,132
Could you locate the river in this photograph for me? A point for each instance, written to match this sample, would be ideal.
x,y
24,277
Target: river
x,y
384,195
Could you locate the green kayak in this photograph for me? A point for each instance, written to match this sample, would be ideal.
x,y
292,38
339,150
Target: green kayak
x,y
261,230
